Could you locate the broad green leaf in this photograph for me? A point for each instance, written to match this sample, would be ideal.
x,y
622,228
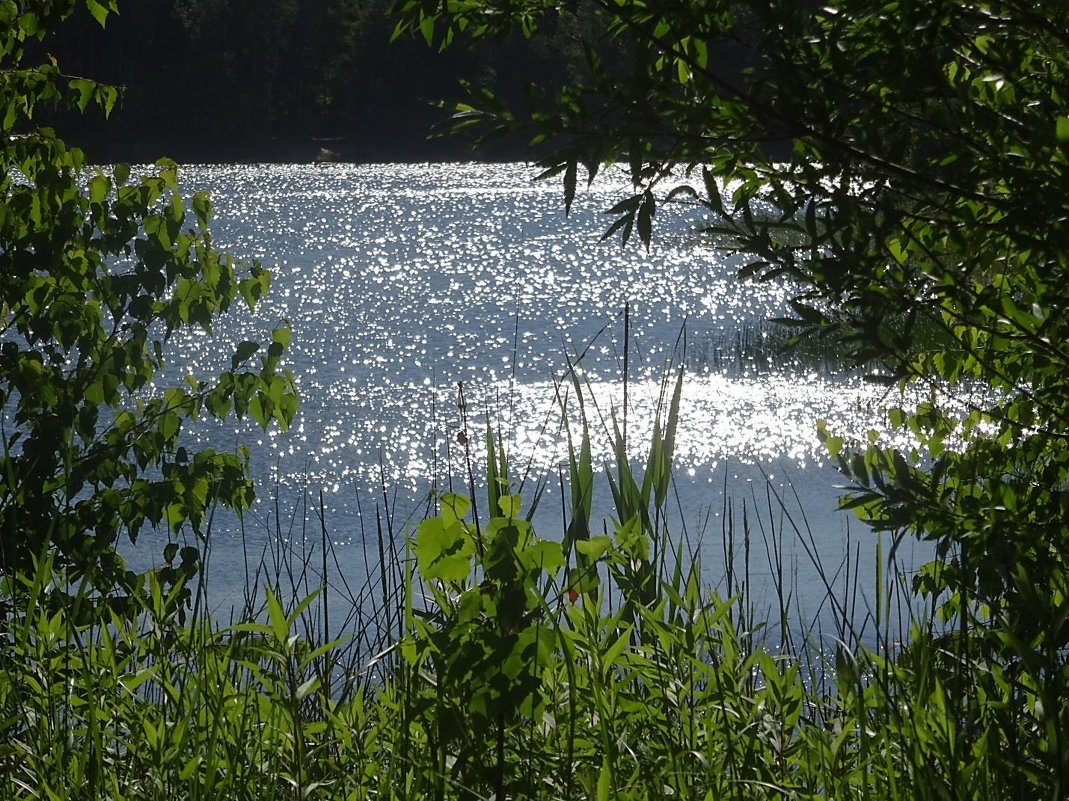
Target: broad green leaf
x,y
510,506
98,10
244,350
595,547
545,555
454,507
282,336
443,551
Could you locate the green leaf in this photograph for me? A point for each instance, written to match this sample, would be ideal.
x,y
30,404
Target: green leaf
x,y
454,507
258,409
98,10
545,555
29,23
571,174
443,551
282,336
595,547
510,506
632,538
244,351
426,27
682,71
1061,130
99,186
83,91
307,687
280,627
604,789
169,426
612,653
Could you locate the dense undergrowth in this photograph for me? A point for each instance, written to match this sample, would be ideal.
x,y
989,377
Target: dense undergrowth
x,y
508,665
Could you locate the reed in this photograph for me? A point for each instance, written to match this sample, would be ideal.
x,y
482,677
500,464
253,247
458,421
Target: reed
x,y
482,660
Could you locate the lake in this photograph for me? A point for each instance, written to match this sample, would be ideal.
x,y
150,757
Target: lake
x,y
403,282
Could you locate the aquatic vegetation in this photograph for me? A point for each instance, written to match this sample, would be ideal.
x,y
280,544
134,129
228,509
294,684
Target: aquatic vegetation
x,y
594,662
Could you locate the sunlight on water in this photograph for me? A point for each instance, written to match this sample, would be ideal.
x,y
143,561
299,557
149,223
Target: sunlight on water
x,y
402,282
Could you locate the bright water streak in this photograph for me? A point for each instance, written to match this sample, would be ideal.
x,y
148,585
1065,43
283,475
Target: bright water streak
x,y
402,281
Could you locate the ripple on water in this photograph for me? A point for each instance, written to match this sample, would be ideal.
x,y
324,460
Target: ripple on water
x,y
401,281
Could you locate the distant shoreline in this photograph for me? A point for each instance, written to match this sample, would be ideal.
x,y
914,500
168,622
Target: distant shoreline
x,y
104,148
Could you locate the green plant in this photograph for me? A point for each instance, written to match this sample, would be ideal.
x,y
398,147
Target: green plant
x,y
486,637
97,271
511,679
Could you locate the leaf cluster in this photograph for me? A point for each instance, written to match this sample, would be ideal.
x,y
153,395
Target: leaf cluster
x,y
98,270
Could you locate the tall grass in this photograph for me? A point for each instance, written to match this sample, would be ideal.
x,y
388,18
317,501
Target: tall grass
x,y
481,660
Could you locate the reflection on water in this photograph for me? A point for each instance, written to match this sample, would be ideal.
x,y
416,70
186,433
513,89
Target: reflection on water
x,y
402,281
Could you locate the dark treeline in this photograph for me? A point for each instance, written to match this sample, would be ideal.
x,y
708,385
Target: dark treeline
x,y
280,80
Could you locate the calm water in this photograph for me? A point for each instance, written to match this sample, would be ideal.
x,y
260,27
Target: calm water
x,y
402,281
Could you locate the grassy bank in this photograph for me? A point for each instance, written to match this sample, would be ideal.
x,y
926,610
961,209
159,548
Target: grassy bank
x,y
508,665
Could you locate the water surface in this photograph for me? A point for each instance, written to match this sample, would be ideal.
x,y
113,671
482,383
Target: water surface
x,y
403,283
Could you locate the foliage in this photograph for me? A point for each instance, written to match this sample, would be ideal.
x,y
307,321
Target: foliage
x,y
505,683
138,707
921,188
905,189
280,79
97,271
269,61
